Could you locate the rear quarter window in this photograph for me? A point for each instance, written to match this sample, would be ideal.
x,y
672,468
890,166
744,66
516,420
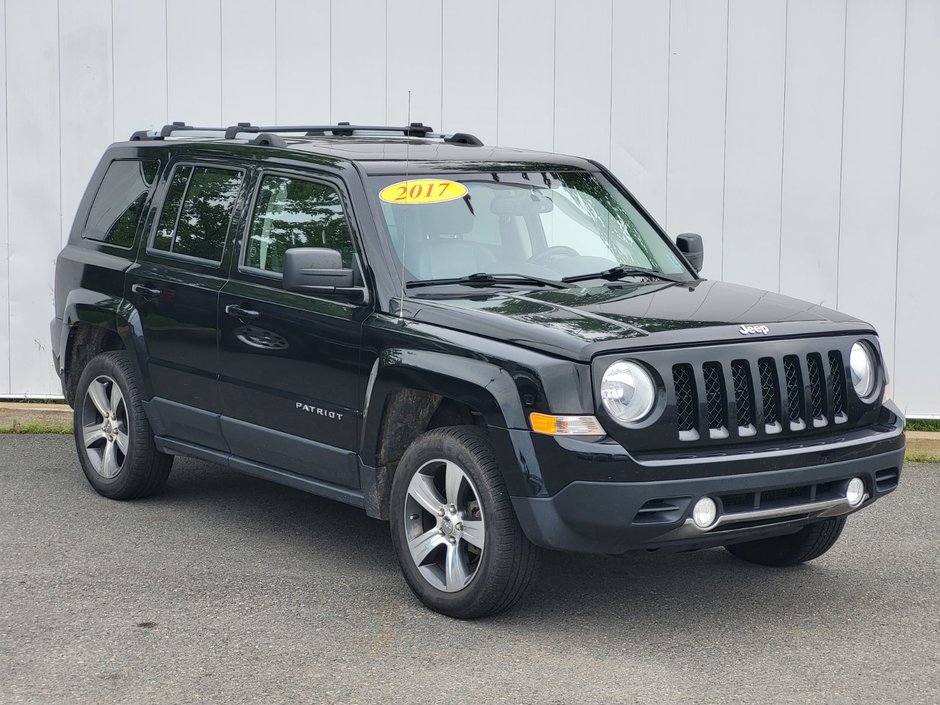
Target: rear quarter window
x,y
115,215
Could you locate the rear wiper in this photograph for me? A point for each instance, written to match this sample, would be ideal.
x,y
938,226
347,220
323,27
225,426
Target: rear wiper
x,y
484,279
620,271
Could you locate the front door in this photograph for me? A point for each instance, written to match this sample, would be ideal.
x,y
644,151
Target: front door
x,y
174,286
290,368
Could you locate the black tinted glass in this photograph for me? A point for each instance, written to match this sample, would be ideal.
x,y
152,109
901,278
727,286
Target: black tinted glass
x,y
295,213
119,203
197,212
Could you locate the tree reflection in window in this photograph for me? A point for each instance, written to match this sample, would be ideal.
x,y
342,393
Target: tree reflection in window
x,y
295,213
197,212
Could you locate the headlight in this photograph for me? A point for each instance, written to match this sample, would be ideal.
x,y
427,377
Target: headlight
x,y
627,392
862,367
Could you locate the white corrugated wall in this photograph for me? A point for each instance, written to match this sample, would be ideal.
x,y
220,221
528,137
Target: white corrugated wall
x,y
800,137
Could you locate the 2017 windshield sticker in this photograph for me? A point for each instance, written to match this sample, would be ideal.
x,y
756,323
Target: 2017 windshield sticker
x,y
419,191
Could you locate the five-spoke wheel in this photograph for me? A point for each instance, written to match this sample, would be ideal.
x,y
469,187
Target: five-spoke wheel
x,y
457,538
104,426
112,435
444,525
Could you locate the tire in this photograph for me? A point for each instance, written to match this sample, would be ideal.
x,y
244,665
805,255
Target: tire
x,y
808,543
112,435
492,563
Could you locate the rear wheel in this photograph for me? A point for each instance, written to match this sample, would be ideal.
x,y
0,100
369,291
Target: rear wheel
x,y
454,530
112,435
808,543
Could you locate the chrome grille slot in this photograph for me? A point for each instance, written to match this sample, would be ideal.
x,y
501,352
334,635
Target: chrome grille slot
x,y
685,402
837,386
716,404
817,390
743,397
770,394
794,385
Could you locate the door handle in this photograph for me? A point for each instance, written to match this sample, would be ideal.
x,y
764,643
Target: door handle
x,y
145,291
237,311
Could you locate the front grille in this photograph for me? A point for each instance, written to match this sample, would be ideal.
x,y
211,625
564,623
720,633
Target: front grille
x,y
789,393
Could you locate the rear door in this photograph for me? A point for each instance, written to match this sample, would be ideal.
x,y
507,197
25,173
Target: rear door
x,y
175,288
290,364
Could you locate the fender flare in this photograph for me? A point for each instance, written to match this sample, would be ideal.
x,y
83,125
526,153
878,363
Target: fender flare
x,y
485,387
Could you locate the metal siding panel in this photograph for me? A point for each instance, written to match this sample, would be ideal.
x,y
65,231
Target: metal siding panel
x,y
86,95
526,76
754,142
414,55
582,68
194,61
812,153
140,68
470,69
917,376
871,155
34,206
639,100
249,64
358,64
4,214
697,83
303,66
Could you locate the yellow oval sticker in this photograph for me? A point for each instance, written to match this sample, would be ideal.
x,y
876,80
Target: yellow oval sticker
x,y
423,191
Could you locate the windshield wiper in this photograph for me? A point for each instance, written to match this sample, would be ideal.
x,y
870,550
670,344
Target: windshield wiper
x,y
620,271
484,279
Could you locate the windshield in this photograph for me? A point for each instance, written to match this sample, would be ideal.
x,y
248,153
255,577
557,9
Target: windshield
x,y
552,225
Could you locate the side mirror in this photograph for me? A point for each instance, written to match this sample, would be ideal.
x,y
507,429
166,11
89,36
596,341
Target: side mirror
x,y
319,270
690,245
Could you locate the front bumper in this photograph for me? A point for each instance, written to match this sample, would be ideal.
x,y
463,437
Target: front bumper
x,y
615,517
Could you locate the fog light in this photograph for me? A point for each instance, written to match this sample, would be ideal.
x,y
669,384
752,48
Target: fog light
x,y
704,512
855,492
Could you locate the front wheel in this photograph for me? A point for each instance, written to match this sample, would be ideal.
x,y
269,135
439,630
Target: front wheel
x,y
808,543
453,527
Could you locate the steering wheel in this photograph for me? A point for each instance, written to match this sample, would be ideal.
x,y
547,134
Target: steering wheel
x,y
551,253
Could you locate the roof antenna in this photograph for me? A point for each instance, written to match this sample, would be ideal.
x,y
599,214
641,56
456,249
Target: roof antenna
x,y
404,225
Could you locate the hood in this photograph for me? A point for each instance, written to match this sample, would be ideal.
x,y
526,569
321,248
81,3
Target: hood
x,y
582,322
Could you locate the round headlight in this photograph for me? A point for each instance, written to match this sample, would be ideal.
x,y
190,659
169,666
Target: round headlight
x,y
627,392
862,367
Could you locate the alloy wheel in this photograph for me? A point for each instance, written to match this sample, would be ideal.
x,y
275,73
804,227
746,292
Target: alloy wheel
x,y
444,525
104,426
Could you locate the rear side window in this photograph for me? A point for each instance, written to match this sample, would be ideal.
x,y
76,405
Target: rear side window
x,y
118,208
295,213
197,211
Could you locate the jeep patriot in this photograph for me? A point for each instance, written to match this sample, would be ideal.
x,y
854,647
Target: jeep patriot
x,y
498,351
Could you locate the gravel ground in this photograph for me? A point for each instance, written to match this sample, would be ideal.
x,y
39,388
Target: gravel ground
x,y
228,589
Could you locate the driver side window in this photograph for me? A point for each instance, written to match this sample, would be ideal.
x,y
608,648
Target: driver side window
x,y
291,213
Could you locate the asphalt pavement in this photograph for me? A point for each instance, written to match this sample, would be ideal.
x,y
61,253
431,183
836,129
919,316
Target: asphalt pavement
x,y
228,589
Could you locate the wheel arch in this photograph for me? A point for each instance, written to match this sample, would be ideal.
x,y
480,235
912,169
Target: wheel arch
x,y
410,392
93,323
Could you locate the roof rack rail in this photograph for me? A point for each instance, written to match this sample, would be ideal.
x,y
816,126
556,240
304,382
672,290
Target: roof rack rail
x,y
270,138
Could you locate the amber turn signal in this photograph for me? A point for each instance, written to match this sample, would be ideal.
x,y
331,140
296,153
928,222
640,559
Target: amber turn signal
x,y
565,425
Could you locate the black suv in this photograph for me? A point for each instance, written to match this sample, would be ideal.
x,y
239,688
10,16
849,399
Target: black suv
x,y
497,350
